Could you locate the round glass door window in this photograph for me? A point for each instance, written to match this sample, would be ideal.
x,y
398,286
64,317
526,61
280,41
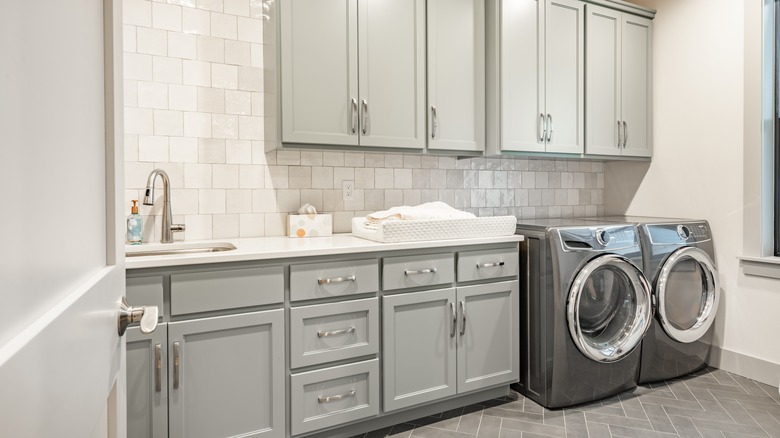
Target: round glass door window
x,y
688,294
609,308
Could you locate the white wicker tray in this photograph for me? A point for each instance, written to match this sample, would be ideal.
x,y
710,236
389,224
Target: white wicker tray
x,y
440,229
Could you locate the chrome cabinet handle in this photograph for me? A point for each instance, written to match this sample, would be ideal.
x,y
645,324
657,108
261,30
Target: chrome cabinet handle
x,y
332,398
550,131
489,265
421,271
158,367
542,128
434,121
176,363
353,116
463,318
365,117
147,315
454,320
321,334
336,280
625,134
620,137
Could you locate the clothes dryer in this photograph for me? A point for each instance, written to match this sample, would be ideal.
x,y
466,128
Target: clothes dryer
x,y
585,307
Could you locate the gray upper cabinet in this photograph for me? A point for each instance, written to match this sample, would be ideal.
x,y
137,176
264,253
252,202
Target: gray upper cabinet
x,y
456,75
349,76
227,376
147,383
535,76
619,86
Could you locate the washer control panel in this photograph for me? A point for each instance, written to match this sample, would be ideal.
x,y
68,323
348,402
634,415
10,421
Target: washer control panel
x,y
665,234
611,237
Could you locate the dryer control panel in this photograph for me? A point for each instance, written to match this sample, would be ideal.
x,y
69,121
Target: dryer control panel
x,y
599,238
678,234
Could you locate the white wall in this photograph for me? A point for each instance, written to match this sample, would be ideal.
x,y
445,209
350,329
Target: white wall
x,y
700,131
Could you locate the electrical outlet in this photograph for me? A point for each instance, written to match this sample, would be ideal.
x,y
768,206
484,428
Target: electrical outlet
x,y
348,190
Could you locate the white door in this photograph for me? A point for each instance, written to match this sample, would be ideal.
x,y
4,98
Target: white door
x,y
62,264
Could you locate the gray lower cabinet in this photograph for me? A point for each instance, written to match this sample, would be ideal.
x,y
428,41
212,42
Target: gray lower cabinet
x,y
226,376
459,340
147,383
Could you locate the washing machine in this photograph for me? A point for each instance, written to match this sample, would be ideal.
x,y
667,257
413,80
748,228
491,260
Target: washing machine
x,y
585,307
678,260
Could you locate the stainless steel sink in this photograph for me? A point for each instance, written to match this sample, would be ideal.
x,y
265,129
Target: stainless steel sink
x,y
178,249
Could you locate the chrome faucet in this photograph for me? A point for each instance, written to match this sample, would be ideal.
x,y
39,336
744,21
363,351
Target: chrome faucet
x,y
167,228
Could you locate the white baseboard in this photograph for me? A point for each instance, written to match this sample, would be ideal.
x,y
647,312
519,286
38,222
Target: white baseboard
x,y
747,366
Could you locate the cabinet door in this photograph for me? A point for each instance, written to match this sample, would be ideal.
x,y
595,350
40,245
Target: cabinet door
x,y
147,383
227,376
419,348
488,344
456,75
392,72
564,75
522,75
602,90
637,85
319,71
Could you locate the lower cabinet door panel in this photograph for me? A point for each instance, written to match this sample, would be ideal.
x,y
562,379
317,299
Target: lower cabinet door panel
x,y
419,348
488,345
334,396
147,383
226,376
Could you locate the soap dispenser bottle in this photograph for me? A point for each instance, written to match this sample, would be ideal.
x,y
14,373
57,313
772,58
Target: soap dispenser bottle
x,y
134,225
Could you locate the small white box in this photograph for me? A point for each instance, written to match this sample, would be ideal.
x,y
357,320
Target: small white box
x,y
310,225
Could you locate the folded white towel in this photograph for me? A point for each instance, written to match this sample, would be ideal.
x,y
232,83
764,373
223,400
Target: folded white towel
x,y
429,210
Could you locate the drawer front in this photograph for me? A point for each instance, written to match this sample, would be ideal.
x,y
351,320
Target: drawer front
x,y
323,280
415,271
230,289
145,291
484,265
334,396
328,332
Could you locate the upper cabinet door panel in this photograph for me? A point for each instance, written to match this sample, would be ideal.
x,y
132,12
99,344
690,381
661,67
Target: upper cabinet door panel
x,y
456,75
392,73
637,85
521,75
602,49
319,69
564,73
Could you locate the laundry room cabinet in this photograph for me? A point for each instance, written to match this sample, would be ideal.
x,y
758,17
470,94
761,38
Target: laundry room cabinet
x,y
353,72
462,339
535,76
456,75
619,86
147,383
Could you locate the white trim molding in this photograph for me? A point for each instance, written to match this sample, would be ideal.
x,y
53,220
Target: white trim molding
x,y
747,366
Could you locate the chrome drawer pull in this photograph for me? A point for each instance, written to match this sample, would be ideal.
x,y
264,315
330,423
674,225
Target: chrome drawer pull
x,y
157,367
332,398
463,314
454,320
489,265
421,271
336,280
336,332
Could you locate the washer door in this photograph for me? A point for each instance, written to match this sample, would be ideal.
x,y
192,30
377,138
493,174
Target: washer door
x,y
688,294
609,308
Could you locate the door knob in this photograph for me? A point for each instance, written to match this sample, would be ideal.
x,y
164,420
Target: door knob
x,y
146,314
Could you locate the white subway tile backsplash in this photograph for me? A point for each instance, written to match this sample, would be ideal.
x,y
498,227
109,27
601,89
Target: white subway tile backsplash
x,y
194,106
196,22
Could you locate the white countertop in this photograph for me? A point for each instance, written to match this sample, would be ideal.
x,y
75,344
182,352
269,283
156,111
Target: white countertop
x,y
264,248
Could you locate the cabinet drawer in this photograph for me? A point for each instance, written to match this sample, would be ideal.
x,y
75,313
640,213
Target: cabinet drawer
x,y
219,290
145,291
333,396
328,332
484,265
323,280
415,271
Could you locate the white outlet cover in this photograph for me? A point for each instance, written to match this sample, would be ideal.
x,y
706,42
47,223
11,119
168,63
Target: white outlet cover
x,y
348,190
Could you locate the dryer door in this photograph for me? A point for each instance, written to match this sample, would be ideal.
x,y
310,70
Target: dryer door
x,y
609,308
687,294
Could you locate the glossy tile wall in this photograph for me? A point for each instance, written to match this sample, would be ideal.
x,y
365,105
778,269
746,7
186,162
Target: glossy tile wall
x,y
193,107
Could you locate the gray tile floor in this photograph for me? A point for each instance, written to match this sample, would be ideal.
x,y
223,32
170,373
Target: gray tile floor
x,y
709,404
